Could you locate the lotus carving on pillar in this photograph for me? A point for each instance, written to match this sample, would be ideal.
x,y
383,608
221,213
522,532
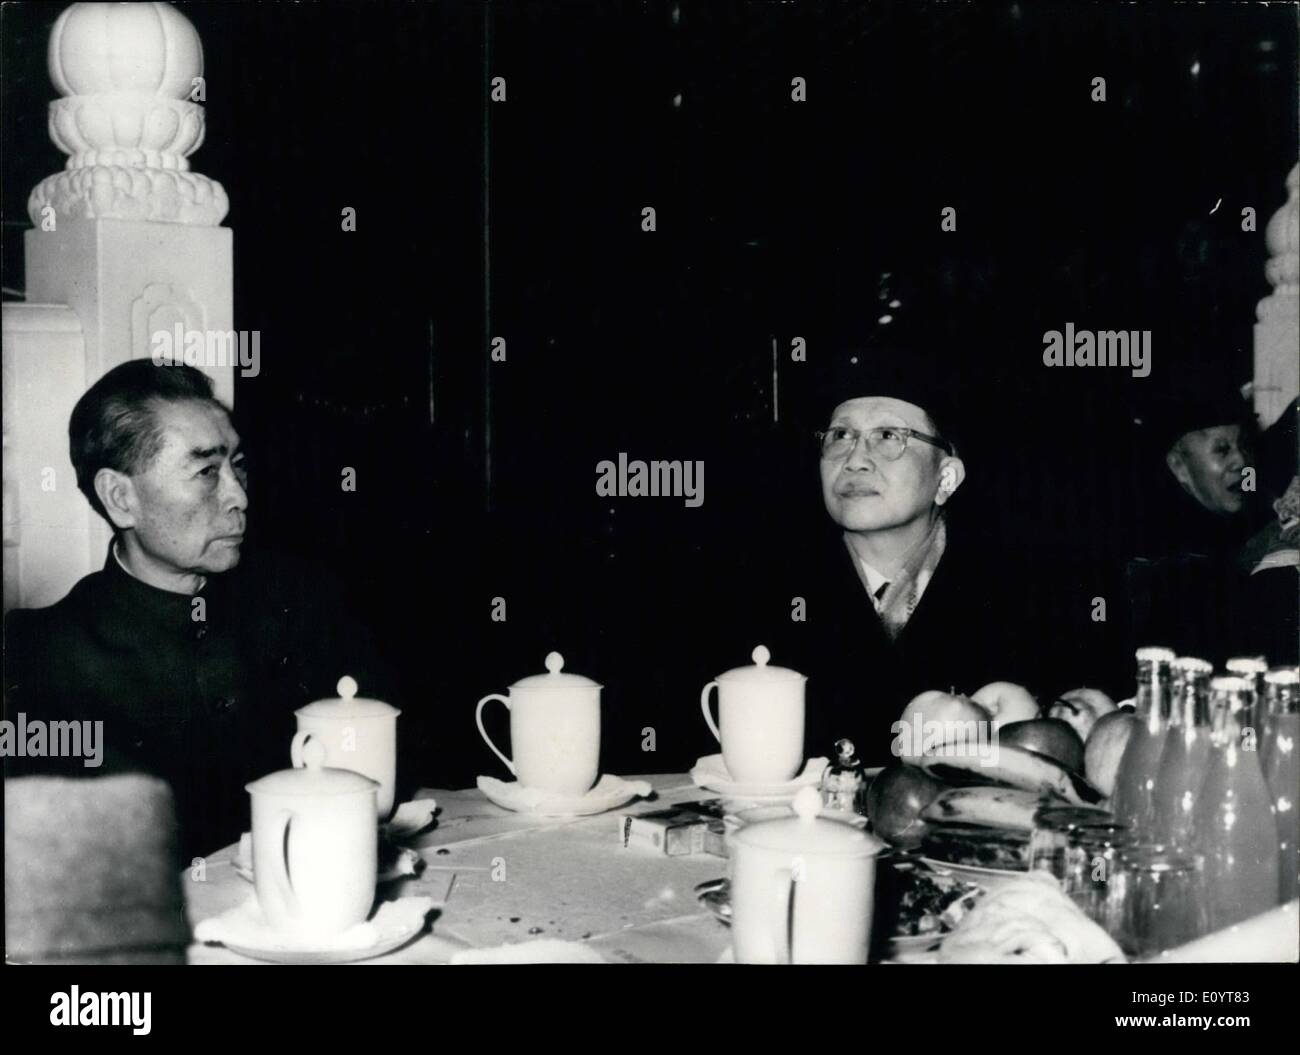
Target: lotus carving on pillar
x,y
125,120
1282,236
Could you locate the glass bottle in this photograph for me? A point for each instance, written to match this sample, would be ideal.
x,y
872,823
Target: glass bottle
x,y
1234,826
1187,747
1280,754
1135,780
1155,899
1253,669
844,784
1090,857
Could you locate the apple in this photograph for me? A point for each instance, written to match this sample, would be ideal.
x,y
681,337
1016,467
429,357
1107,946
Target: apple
x,y
895,801
932,706
1105,748
1048,736
1006,702
1081,708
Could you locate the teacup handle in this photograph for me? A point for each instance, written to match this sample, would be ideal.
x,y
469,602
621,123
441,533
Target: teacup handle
x,y
478,718
299,741
785,880
708,711
280,863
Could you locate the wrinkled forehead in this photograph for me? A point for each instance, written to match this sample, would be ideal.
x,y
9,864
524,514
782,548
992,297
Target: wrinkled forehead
x,y
867,412
193,425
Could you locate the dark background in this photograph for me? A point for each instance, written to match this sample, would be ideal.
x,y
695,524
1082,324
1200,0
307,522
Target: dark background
x,y
776,219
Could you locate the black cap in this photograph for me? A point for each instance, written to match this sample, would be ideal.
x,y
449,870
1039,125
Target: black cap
x,y
1196,384
905,364
1204,404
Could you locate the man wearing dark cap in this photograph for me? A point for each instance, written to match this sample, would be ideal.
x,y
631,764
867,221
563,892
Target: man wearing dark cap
x,y
1199,513
891,596
1267,599
886,474
1208,447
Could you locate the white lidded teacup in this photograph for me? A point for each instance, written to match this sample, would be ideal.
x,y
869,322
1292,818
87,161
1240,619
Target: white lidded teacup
x,y
315,846
554,730
760,720
357,733
803,888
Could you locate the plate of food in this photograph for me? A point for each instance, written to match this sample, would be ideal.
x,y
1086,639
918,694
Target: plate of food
x,y
920,905
926,902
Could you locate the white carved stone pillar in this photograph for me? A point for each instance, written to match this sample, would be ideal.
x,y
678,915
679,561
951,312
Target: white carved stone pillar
x,y
125,244
126,234
50,540
1277,333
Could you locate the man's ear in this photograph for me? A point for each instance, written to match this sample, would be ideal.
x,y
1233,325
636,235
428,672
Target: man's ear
x,y
1178,466
952,471
116,493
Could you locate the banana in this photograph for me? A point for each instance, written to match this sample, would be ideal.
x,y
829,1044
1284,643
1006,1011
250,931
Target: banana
x,y
1013,766
996,807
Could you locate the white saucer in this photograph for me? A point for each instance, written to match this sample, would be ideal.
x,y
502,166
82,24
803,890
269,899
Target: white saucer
x,y
710,773
609,793
245,930
324,956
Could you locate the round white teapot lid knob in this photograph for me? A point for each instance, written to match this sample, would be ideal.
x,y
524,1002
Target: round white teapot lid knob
x,y
347,687
554,662
761,655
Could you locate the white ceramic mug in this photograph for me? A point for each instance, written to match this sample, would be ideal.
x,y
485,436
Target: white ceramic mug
x,y
315,847
554,730
760,720
803,889
358,734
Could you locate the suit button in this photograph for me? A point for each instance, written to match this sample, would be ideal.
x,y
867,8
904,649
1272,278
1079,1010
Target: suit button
x,y
225,704
202,631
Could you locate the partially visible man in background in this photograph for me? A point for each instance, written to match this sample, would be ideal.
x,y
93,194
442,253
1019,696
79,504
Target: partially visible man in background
x,y
192,657
1201,510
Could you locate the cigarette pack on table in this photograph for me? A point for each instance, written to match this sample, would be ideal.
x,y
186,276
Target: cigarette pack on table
x,y
676,831
672,831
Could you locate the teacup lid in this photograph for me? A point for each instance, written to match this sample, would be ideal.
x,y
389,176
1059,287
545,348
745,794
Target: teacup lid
x,y
313,777
347,704
759,673
555,678
808,833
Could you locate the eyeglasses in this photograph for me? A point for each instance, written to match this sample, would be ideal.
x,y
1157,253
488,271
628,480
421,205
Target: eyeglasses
x,y
888,442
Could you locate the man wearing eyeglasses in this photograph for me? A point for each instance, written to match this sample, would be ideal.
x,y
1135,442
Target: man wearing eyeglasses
x,y
886,477
894,596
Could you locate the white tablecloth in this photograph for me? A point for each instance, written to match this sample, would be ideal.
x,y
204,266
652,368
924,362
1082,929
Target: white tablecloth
x,y
572,880
554,879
